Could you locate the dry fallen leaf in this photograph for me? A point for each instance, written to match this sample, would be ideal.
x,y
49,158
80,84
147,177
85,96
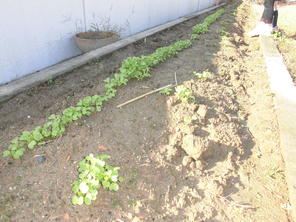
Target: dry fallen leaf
x,y
68,158
66,217
102,148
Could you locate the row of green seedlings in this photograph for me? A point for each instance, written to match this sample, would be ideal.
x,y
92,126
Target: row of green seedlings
x,y
94,173
203,28
131,68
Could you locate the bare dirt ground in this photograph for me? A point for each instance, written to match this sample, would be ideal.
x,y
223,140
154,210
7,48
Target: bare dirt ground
x,y
215,159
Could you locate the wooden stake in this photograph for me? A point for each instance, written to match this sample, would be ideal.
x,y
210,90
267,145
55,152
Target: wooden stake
x,y
146,94
176,81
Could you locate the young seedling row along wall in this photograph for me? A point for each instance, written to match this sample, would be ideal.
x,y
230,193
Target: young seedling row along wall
x,y
131,68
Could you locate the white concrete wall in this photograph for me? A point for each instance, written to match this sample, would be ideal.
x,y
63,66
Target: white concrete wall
x,y
35,34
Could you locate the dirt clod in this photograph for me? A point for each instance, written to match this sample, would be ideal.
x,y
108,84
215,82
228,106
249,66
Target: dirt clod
x,y
186,160
202,111
194,146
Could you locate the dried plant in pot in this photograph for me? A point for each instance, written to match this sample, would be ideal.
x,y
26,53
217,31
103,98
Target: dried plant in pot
x,y
95,38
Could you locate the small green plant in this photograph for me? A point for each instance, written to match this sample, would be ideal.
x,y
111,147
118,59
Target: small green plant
x,y
234,12
50,81
223,32
194,36
166,92
104,25
203,28
94,173
56,126
277,35
132,203
225,22
184,94
276,173
200,29
204,76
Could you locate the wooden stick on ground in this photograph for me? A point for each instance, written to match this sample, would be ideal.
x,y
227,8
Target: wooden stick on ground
x,y
176,81
146,94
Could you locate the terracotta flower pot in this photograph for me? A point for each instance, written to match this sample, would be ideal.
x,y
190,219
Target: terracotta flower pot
x,y
88,41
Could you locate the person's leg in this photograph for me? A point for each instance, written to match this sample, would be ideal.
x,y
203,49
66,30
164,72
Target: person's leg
x,y
275,19
264,27
268,11
275,16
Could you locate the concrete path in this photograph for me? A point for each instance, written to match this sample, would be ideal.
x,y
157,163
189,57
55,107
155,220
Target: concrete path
x,y
285,102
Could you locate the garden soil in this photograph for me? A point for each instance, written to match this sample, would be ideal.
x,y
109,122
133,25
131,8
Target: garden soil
x,y
214,159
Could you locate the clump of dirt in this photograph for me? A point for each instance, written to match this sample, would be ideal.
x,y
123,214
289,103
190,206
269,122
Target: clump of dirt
x,y
205,128
210,132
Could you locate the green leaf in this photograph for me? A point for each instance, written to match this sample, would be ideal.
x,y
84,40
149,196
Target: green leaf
x,y
94,194
106,184
17,154
87,200
100,162
54,117
6,153
37,135
75,189
114,187
77,200
46,129
83,187
83,174
120,179
13,147
83,166
103,157
15,140
32,144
